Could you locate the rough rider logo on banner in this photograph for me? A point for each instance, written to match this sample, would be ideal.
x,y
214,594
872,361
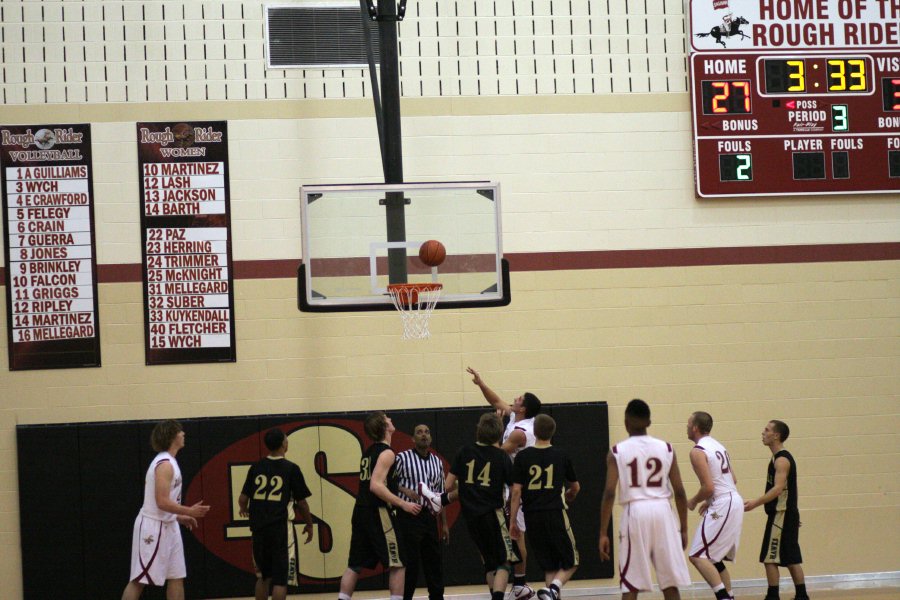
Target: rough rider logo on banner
x,y
328,452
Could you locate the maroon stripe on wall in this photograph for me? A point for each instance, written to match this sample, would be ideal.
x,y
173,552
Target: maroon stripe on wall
x,y
593,259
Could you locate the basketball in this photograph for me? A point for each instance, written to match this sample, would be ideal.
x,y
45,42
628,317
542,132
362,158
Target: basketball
x,y
432,253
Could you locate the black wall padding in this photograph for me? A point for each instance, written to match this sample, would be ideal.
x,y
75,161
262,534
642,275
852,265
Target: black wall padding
x,y
81,487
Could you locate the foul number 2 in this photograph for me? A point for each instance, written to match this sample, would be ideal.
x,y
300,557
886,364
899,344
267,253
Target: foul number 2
x,y
654,466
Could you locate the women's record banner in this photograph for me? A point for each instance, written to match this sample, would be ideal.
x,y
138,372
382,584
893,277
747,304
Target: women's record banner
x,y
51,268
186,242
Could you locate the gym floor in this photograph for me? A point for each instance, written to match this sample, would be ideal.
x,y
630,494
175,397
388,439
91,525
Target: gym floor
x,y
833,588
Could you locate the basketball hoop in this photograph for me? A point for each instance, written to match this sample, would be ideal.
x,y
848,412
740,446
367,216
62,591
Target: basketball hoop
x,y
415,301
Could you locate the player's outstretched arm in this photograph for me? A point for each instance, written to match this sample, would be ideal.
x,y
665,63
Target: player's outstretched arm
x,y
164,475
301,507
489,394
700,464
680,498
572,489
515,503
782,468
377,484
606,506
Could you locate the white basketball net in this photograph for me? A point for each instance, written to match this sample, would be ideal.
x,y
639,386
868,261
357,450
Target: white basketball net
x,y
415,303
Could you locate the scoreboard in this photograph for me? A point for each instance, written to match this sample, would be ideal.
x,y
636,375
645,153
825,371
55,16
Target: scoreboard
x,y
793,97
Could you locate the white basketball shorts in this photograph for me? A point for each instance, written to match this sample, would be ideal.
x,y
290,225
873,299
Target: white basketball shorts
x,y
648,534
157,553
719,533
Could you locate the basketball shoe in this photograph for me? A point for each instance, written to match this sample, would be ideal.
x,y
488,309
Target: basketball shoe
x,y
524,592
432,500
545,594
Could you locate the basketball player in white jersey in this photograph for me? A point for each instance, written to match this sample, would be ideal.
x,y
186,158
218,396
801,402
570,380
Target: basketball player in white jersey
x,y
721,507
519,434
643,468
157,555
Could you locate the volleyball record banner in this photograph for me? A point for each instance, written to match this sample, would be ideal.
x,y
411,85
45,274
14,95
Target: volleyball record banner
x,y
186,242
51,270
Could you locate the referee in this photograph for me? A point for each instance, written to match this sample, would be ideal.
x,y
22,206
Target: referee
x,y
422,532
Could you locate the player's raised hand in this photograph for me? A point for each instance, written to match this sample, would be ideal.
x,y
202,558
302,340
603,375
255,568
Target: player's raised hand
x,y
476,378
604,547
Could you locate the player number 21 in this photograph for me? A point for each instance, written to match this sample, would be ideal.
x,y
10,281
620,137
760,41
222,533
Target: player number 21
x,y
536,474
268,489
484,476
654,466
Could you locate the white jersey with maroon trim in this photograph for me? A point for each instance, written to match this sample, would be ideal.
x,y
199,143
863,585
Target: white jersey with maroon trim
x,y
644,462
150,509
719,466
526,426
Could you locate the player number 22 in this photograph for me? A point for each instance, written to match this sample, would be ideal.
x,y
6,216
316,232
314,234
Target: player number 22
x,y
268,489
654,466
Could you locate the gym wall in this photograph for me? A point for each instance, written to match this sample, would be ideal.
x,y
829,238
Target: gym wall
x,y
623,283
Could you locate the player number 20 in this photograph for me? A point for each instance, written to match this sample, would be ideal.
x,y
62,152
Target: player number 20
x,y
268,489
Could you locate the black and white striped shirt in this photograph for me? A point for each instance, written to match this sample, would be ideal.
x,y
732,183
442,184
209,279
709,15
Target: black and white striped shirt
x,y
412,468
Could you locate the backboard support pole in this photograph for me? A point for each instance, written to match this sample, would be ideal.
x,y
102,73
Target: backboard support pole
x,y
388,15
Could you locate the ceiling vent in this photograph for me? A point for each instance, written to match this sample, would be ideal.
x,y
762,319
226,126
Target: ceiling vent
x,y
318,35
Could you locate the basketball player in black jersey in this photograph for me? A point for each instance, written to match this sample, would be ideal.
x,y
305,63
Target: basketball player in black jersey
x,y
542,474
272,484
374,536
781,545
481,470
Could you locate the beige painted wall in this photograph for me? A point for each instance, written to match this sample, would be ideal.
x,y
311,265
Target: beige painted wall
x,y
812,344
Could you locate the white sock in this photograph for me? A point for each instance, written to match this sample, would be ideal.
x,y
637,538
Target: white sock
x,y
343,596
721,586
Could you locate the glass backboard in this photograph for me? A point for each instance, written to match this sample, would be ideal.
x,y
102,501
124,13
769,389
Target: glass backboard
x,y
359,238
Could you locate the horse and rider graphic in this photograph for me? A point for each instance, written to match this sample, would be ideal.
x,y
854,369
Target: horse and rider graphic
x,y
729,28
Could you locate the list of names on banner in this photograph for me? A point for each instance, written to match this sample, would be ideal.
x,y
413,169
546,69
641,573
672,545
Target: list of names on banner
x,y
186,242
188,287
51,268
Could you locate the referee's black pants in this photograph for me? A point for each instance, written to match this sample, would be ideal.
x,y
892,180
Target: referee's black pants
x,y
421,536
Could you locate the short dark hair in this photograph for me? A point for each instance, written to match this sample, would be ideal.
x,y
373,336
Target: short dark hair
x,y
274,439
638,409
164,434
544,427
703,421
781,428
376,425
489,429
532,404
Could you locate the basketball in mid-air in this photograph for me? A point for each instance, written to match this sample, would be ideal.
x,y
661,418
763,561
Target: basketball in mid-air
x,y
432,253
